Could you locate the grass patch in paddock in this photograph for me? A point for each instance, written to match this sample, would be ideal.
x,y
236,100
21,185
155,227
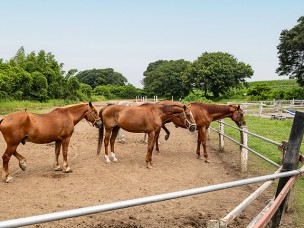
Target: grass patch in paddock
x,y
7,107
276,130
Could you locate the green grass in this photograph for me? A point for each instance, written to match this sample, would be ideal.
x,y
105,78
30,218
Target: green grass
x,y
32,106
276,130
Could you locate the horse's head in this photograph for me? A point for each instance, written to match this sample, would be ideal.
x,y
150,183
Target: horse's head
x,y
188,118
92,116
238,115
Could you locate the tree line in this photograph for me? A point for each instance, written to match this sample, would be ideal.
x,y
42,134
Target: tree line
x,y
212,75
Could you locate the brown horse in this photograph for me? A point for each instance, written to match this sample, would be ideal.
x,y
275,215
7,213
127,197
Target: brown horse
x,y
203,115
146,118
58,126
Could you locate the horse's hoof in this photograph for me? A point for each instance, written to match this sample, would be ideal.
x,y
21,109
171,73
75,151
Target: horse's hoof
x,y
166,137
149,166
115,160
22,165
58,168
68,170
207,161
9,179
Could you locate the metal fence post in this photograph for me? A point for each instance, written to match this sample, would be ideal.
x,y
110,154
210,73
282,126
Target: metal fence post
x,y
221,135
244,150
291,160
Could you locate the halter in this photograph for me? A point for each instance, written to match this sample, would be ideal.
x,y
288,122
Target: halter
x,y
91,115
188,122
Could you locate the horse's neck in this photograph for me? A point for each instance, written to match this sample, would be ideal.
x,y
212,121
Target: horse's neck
x,y
218,112
218,116
77,112
168,112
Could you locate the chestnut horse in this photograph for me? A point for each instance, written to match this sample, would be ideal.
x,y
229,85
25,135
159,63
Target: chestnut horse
x,y
58,126
203,115
146,118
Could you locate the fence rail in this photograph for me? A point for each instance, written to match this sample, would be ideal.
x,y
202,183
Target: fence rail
x,y
141,201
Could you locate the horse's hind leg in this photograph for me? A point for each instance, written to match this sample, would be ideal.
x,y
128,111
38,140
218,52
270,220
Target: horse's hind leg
x,y
115,132
22,160
57,153
121,136
10,150
106,144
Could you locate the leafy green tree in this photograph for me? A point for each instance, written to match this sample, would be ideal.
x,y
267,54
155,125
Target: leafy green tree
x,y
98,77
86,90
72,87
104,91
164,78
216,72
259,91
291,52
39,87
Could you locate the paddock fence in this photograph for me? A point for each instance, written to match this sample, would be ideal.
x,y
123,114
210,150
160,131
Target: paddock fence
x,y
274,108
287,174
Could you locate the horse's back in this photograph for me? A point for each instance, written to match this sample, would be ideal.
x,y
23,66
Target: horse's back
x,y
130,118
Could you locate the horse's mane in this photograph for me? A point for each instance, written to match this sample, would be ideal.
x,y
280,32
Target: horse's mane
x,y
70,107
213,108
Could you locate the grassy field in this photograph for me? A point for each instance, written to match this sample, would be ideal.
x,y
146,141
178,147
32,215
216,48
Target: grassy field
x,y
276,130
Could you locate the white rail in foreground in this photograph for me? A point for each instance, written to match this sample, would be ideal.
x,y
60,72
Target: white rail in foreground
x,y
140,201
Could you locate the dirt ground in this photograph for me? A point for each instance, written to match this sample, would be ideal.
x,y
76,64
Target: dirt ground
x,y
41,190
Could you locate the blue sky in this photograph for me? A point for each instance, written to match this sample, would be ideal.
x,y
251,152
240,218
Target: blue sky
x,y
128,35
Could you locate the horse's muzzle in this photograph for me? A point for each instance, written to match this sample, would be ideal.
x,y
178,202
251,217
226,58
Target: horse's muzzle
x,y
192,128
98,124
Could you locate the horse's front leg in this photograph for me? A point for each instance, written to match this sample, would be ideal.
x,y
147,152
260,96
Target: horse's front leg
x,y
202,139
198,147
22,160
65,145
167,132
151,142
57,153
6,157
156,138
114,134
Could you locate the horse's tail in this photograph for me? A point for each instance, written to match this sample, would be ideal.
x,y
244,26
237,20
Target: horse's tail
x,y
0,123
100,136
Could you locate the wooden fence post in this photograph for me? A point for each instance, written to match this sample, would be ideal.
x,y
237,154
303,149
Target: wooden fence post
x,y
260,109
244,150
221,136
290,161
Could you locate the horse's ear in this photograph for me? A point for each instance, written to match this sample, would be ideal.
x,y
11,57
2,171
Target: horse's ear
x,y
184,107
238,108
90,104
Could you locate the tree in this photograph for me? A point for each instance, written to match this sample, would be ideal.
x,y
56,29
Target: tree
x,y
164,78
217,73
98,77
291,52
